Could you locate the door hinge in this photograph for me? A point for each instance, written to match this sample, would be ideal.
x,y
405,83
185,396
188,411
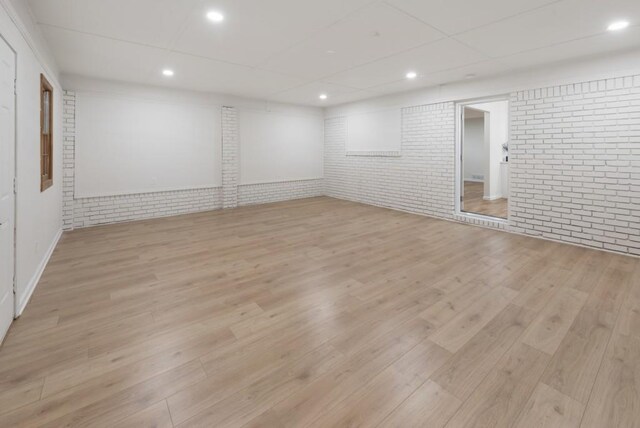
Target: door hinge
x,y
15,86
15,186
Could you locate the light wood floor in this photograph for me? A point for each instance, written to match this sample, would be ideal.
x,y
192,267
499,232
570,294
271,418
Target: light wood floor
x,y
473,201
324,313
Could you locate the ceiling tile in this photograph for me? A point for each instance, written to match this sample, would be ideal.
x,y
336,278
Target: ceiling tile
x,y
94,56
272,49
455,16
151,22
553,24
199,73
600,44
440,55
372,33
254,30
308,94
478,70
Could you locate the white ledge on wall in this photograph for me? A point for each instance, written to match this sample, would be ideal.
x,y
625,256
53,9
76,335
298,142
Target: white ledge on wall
x,y
136,192
392,154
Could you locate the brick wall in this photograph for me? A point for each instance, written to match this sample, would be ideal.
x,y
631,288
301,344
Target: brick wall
x,y
250,194
68,158
83,212
419,179
113,209
574,164
575,159
230,161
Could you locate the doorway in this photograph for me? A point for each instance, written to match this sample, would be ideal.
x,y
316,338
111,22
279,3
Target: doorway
x,y
7,175
482,173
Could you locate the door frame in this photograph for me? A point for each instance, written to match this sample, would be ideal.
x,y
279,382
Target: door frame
x,y
458,173
15,173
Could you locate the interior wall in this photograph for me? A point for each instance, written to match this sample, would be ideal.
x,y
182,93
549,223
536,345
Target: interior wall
x,y
573,158
374,132
473,152
128,144
420,179
38,214
259,152
280,146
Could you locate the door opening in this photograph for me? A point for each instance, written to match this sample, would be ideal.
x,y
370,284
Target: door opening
x,y
482,173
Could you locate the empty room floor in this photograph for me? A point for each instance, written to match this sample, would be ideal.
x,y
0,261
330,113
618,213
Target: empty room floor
x,y
474,201
321,312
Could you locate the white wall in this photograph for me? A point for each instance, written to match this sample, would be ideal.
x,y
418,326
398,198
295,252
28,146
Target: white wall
x,y
473,149
280,146
128,144
376,131
38,214
273,152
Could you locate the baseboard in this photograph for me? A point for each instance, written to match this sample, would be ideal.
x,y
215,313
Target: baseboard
x,y
22,303
492,198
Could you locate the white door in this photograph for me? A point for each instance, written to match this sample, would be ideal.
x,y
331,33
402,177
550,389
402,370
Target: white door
x,y
7,173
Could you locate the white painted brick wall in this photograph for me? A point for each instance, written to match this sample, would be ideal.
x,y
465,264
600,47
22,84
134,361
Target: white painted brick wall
x,y
230,161
250,194
111,209
68,158
575,159
420,179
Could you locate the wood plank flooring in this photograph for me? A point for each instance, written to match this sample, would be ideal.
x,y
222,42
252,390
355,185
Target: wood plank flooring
x,y
324,313
474,202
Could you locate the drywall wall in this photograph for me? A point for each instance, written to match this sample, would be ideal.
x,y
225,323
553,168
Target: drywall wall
x,y
279,146
573,155
374,131
473,150
38,214
127,144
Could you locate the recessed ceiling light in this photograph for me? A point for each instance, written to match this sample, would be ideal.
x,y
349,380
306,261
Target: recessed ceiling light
x,y
330,52
618,25
167,72
411,75
215,16
470,76
323,96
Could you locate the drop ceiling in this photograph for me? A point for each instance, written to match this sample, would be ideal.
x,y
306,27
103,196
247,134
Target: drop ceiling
x,y
293,50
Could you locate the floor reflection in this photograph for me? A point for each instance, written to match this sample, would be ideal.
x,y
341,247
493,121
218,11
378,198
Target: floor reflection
x,y
474,203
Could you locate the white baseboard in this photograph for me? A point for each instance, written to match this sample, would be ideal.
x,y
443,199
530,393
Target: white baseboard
x,y
31,287
492,198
